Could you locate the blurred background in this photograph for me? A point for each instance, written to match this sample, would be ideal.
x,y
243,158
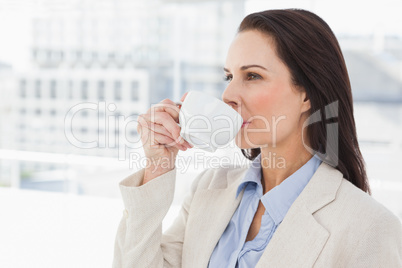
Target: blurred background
x,y
75,74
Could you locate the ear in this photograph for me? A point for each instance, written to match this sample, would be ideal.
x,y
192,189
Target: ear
x,y
306,105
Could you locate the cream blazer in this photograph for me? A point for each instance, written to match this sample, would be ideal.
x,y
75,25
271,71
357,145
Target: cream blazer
x,y
331,224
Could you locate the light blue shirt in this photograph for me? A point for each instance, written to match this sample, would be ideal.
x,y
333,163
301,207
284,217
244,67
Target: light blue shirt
x,y
231,251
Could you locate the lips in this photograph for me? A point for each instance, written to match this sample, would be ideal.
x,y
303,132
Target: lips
x,y
245,123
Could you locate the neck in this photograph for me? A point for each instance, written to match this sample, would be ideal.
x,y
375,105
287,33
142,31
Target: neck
x,y
280,162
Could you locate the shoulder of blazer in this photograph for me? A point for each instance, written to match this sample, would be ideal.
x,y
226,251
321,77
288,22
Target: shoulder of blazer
x,y
354,209
220,178
361,204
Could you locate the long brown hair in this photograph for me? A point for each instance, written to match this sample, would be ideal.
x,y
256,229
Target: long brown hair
x,y
310,50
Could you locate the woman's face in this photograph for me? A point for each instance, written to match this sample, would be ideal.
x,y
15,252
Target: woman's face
x,y
260,89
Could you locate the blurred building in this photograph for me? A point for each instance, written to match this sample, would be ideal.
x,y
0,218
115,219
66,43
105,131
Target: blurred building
x,y
64,111
375,67
6,90
113,59
7,119
129,54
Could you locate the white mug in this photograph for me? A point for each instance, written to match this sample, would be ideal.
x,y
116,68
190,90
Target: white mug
x,y
207,122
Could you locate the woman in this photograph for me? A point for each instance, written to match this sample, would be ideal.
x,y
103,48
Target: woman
x,y
313,210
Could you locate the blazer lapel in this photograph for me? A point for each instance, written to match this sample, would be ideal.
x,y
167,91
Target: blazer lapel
x,y
297,242
214,209
299,239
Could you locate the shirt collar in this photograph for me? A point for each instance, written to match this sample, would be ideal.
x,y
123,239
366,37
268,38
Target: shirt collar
x,y
280,198
253,174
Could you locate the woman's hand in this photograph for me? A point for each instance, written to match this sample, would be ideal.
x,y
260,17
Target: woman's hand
x,y
160,137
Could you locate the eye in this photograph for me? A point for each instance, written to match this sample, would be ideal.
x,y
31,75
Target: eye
x,y
227,78
253,76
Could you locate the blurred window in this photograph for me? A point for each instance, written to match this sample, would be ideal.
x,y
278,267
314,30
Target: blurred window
x,y
101,90
134,90
53,89
38,85
117,90
70,89
23,89
84,90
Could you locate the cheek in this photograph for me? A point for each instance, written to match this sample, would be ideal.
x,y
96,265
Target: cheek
x,y
287,116
279,107
281,101
270,103
264,103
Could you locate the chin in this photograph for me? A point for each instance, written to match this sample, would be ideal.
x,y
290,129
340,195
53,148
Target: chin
x,y
244,145
250,143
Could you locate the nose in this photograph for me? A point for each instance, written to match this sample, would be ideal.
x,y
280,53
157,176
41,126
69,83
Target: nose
x,y
231,97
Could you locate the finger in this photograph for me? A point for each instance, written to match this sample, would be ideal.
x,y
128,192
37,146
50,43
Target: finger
x,y
163,118
165,102
184,96
148,136
142,123
155,127
143,129
167,141
160,129
167,106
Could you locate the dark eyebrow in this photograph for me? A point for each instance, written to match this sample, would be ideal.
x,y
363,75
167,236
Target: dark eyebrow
x,y
246,67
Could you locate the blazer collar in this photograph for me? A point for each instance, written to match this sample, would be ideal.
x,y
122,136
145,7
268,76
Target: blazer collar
x,y
214,209
297,241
